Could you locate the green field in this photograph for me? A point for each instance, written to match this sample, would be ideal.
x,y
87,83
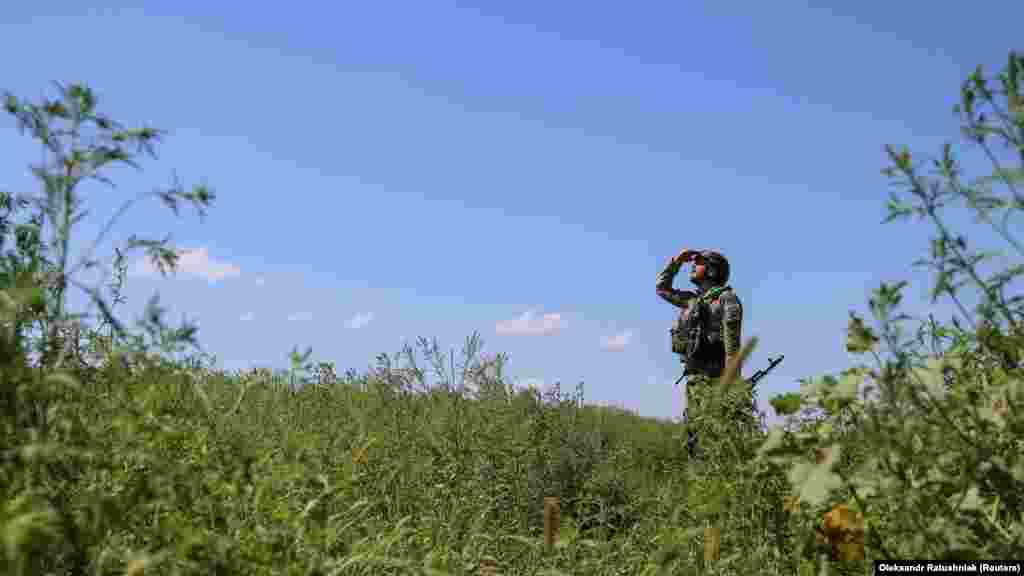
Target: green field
x,y
125,452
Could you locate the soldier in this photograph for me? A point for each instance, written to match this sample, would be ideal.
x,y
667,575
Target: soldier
x,y
707,333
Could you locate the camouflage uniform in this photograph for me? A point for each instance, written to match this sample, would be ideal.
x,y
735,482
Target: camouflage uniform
x,y
724,314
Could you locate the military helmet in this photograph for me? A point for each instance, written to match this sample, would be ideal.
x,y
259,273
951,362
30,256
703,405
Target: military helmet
x,y
717,266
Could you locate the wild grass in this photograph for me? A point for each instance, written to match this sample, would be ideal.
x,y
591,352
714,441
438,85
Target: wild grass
x,y
126,452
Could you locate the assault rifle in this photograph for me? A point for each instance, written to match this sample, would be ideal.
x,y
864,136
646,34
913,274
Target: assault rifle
x,y
757,375
764,371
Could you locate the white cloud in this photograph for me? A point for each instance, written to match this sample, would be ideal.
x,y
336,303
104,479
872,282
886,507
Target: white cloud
x,y
247,317
360,320
198,262
300,317
529,325
193,262
529,383
617,343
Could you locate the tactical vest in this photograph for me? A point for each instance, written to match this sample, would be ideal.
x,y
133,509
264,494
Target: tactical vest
x,y
697,334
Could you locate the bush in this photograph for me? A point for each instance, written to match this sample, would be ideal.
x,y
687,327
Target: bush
x,y
924,438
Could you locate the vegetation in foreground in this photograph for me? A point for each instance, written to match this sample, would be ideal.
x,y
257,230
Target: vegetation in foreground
x,y
123,452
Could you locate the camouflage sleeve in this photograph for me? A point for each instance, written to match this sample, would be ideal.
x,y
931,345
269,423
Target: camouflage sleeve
x,y
664,285
732,322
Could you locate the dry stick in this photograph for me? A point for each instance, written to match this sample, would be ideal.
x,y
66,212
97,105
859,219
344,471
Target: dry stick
x,y
712,544
488,567
552,519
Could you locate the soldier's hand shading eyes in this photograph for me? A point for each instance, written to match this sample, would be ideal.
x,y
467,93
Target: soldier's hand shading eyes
x,y
686,255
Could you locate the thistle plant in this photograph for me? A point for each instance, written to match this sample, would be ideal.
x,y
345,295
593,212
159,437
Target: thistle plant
x,y
79,144
41,438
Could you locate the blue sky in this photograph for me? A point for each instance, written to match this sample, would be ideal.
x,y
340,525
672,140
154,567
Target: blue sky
x,y
391,170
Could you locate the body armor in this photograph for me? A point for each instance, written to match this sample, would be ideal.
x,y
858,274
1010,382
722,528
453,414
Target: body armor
x,y
697,335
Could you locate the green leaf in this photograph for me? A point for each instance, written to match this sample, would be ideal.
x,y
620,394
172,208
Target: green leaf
x,y
860,338
63,379
971,499
897,209
786,404
848,386
931,377
775,438
814,482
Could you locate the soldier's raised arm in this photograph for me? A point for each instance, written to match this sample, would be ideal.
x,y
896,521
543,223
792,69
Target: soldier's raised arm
x,y
664,287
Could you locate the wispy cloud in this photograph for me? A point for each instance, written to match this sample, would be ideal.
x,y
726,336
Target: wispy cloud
x,y
360,320
616,343
300,317
530,325
247,317
194,262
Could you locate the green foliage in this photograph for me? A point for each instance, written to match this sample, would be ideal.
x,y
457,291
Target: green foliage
x,y
55,431
125,452
924,436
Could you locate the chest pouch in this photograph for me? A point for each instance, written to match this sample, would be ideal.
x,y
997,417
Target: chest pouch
x,y
690,337
696,331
